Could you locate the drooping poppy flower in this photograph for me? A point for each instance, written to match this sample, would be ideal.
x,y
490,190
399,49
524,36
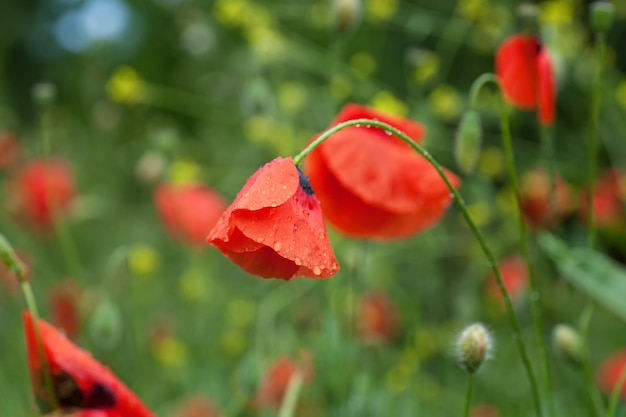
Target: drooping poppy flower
x,y
524,69
373,185
276,381
64,304
377,318
609,195
189,211
275,228
609,371
196,406
10,149
41,189
535,199
79,381
514,276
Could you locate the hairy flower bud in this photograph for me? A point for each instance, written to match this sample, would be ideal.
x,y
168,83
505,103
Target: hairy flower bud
x,y
345,15
602,14
468,141
44,93
568,344
474,346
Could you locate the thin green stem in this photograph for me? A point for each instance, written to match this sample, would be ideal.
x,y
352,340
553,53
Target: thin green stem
x,y
515,325
522,229
547,147
468,394
615,394
596,406
288,407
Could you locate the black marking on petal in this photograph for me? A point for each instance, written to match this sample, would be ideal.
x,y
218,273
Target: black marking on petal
x,y
305,184
100,397
66,390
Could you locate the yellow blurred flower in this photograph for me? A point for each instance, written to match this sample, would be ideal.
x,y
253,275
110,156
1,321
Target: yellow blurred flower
x,y
473,9
397,379
558,12
142,260
480,212
363,63
233,342
505,200
426,68
240,312
193,285
381,10
267,131
184,171
445,102
230,12
125,86
620,94
491,162
425,343
170,352
340,87
292,97
388,103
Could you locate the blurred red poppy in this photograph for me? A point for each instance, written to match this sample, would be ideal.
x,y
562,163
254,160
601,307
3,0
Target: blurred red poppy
x,y
535,199
609,371
609,195
373,185
40,189
377,318
514,276
64,300
484,410
196,406
79,381
526,76
10,149
275,227
276,380
189,211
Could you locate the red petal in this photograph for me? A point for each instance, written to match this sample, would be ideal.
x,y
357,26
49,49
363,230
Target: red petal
x,y
63,355
609,372
547,88
516,68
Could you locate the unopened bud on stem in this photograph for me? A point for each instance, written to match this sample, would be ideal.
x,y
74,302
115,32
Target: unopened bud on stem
x,y
567,343
473,347
602,14
44,93
345,14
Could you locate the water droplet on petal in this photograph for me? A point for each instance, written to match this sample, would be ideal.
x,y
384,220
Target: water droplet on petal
x,y
278,246
357,125
273,205
284,187
317,270
260,240
388,132
297,260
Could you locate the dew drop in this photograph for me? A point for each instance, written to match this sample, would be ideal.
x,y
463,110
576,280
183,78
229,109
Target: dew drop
x,y
246,194
322,236
317,270
284,187
451,195
357,125
273,205
297,260
388,132
260,240
368,126
278,246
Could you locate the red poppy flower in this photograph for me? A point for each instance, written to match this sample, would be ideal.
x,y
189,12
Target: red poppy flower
x,y
526,76
274,385
609,372
42,188
514,276
373,185
535,199
197,406
189,211
79,381
275,228
609,195
10,149
64,300
377,318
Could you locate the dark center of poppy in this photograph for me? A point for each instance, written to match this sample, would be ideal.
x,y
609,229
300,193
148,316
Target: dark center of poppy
x,y
100,397
69,395
305,184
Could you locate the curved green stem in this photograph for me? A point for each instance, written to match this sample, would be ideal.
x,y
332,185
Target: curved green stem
x,y
515,325
522,229
547,147
468,394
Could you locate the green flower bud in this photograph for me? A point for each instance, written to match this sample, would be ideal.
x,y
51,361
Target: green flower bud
x,y
602,14
105,325
345,15
468,141
473,347
44,93
568,344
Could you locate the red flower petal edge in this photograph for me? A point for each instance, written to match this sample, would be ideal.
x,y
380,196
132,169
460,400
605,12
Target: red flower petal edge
x,y
275,227
373,185
609,372
79,380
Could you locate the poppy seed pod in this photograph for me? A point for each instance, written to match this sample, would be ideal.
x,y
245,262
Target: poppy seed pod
x,y
473,347
602,14
468,141
568,344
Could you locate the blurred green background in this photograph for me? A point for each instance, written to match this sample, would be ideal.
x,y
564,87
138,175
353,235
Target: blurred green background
x,y
211,90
